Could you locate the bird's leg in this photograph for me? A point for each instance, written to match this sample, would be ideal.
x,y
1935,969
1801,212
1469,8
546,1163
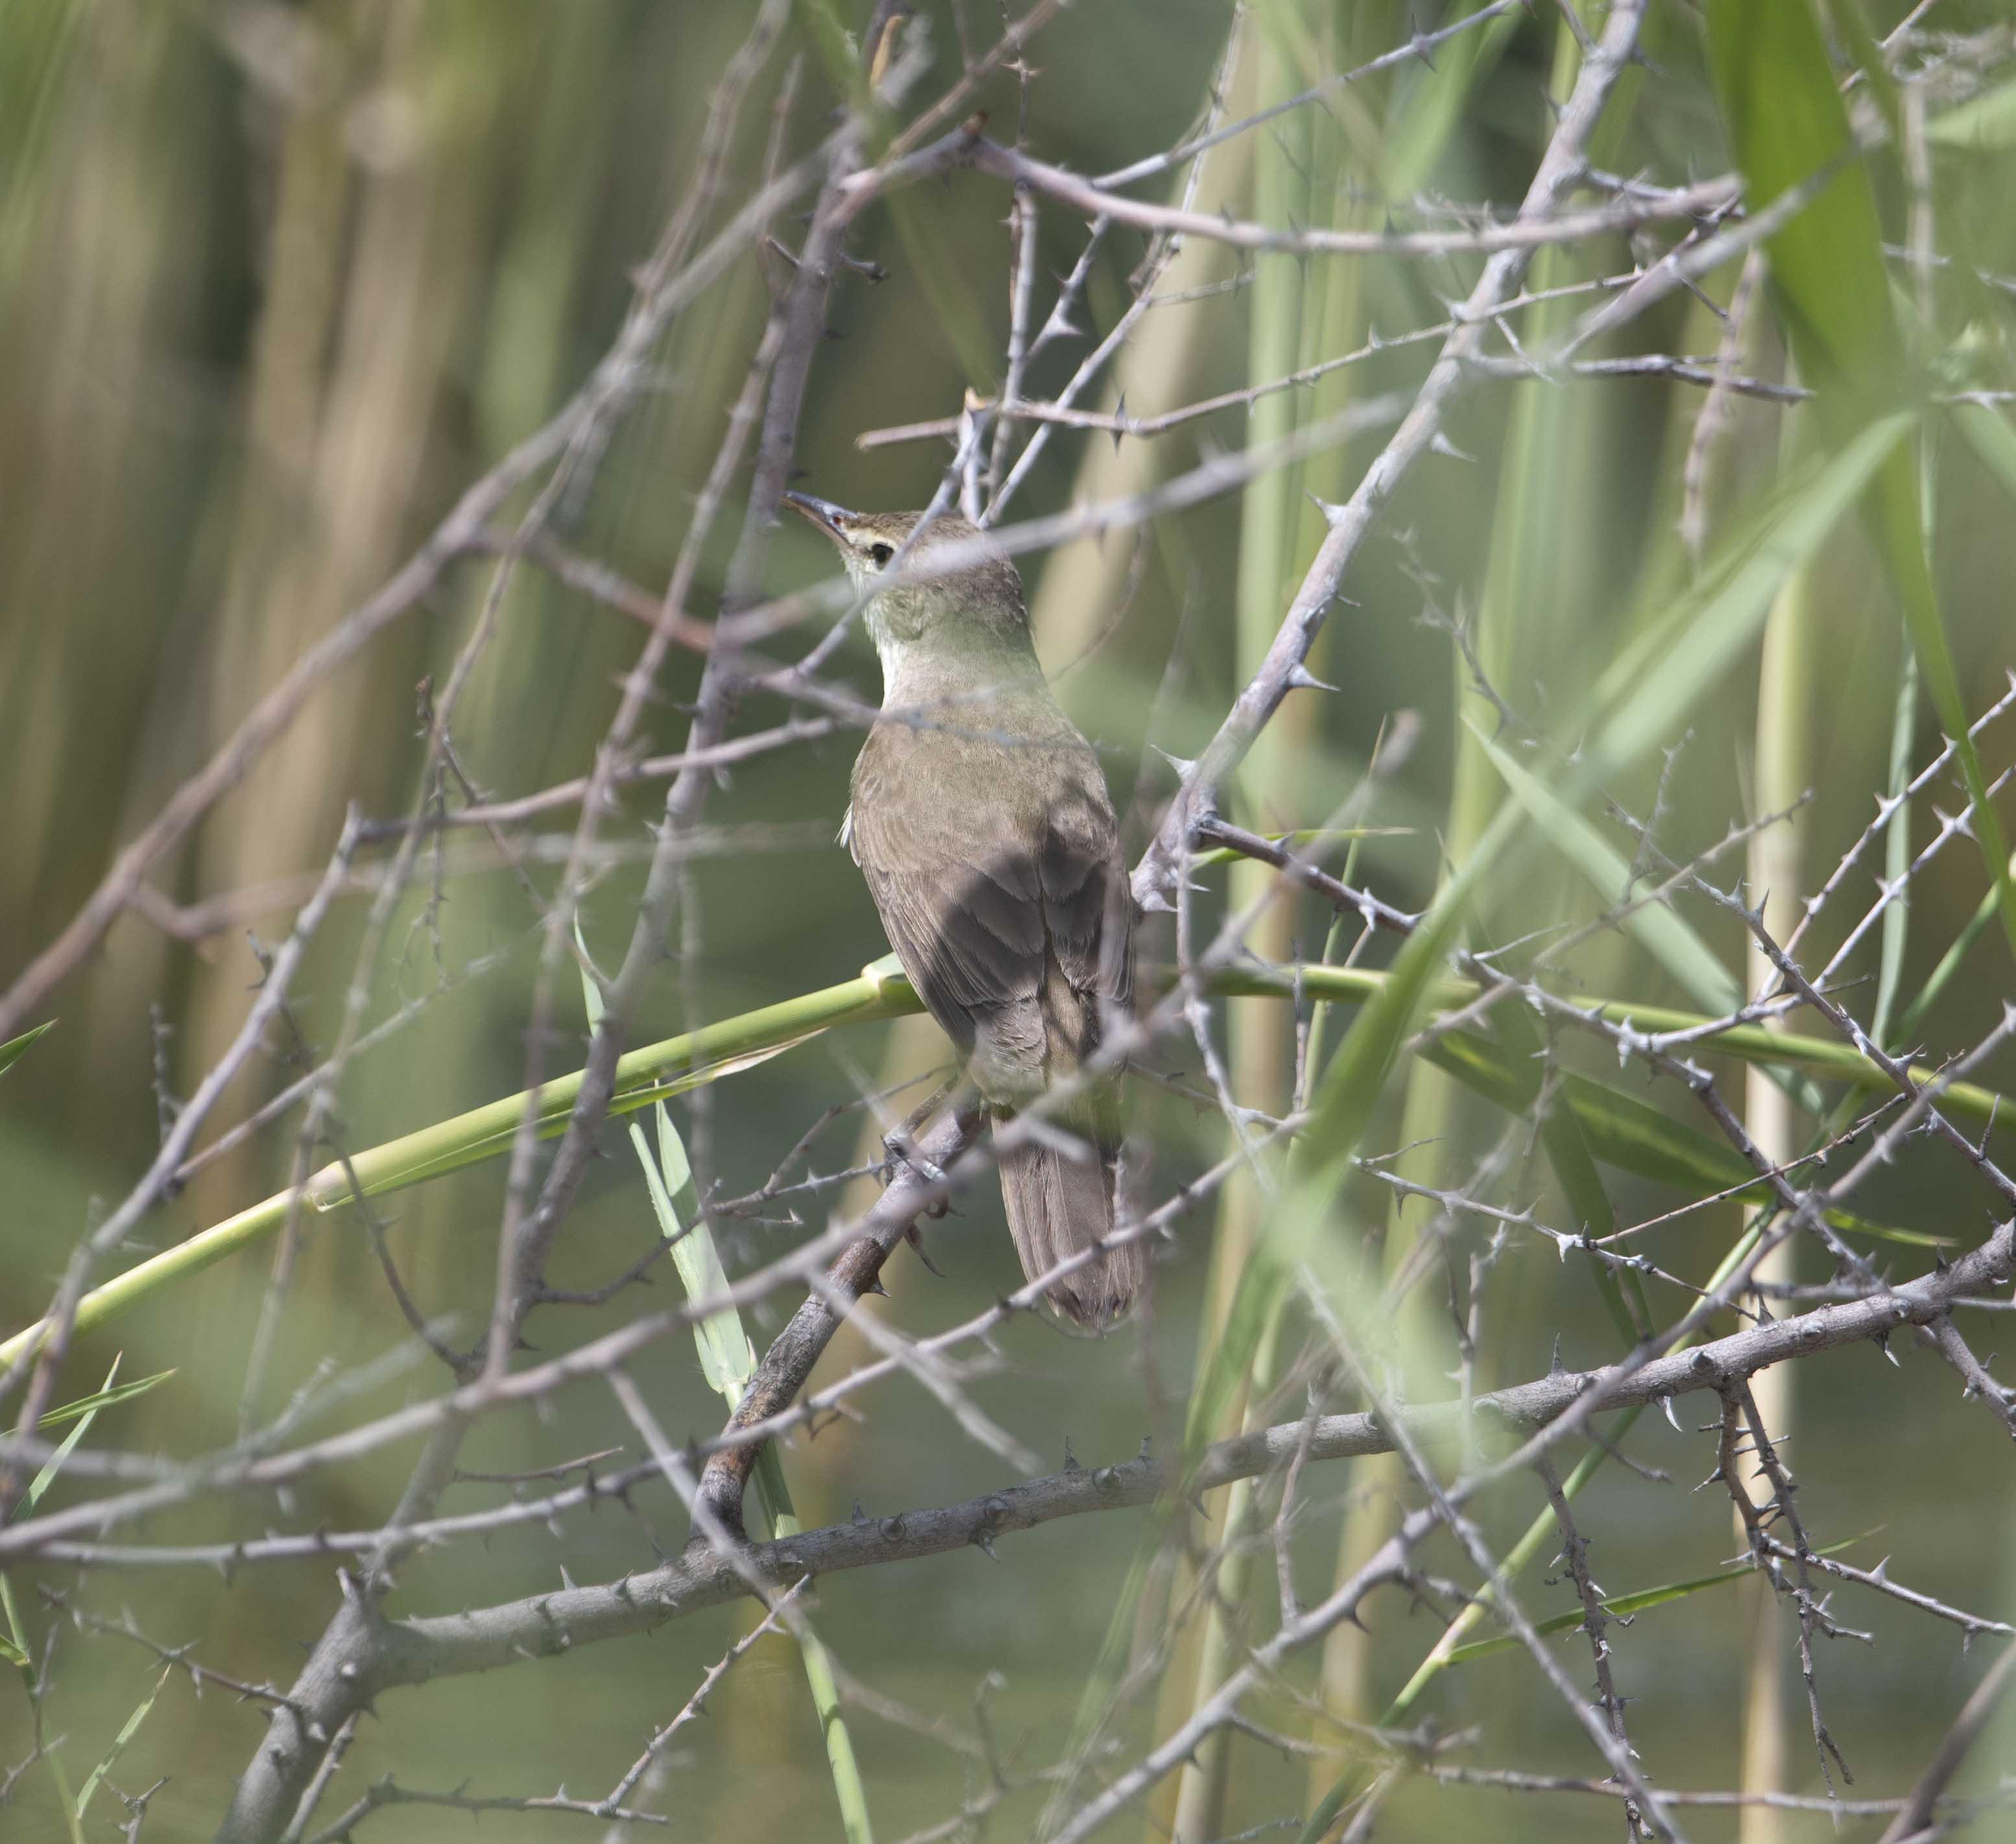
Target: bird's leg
x,y
901,1144
904,1155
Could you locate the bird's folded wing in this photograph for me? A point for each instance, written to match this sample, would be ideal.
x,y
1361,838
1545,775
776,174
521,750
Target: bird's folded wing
x,y
1087,905
980,896
962,907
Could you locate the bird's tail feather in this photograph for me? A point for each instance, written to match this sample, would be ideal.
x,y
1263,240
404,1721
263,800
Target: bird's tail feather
x,y
1059,1204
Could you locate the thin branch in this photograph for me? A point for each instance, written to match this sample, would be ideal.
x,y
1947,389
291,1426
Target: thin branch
x,y
1523,234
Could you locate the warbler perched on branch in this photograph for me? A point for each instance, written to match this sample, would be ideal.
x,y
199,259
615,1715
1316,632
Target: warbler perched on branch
x,y
981,821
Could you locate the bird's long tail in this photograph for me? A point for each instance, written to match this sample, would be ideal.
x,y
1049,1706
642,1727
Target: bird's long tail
x,y
1059,1204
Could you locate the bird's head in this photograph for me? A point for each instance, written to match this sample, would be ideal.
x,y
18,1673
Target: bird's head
x,y
965,595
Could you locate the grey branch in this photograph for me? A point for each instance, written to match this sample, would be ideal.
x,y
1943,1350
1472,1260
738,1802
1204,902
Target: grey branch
x,y
1528,231
396,1653
797,1348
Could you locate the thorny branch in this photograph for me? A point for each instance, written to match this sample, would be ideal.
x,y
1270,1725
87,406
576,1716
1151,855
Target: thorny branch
x,y
365,1651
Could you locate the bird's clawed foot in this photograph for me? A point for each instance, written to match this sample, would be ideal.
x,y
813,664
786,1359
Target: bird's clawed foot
x,y
904,1155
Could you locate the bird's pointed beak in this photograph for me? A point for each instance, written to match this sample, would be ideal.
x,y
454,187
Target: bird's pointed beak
x,y
821,512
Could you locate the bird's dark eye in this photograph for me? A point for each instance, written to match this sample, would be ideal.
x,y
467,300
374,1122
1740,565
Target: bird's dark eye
x,y
880,553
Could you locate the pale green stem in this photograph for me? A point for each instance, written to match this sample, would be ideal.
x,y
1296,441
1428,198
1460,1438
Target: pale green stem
x,y
848,1787
1784,756
657,1070
1285,189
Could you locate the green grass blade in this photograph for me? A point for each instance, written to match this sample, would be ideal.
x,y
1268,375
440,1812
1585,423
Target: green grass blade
x,y
14,1650
728,1361
1851,28
1985,124
11,1051
1633,1135
1687,649
850,1791
848,1788
1350,1088
1897,844
46,1478
1787,122
1941,976
1261,1285
1431,102
106,1398
1659,929
1662,933
727,1358
1904,549
14,1643
1897,855
1567,1151
1622,1606
95,1778
1750,1043
1639,699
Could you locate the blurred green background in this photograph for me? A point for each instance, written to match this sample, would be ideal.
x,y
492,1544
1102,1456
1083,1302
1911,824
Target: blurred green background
x,y
277,282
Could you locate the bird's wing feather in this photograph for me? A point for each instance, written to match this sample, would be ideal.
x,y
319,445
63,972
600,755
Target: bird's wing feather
x,y
983,894
955,884
1086,901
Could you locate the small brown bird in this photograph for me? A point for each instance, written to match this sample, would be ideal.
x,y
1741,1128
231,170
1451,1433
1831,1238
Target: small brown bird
x,y
981,821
